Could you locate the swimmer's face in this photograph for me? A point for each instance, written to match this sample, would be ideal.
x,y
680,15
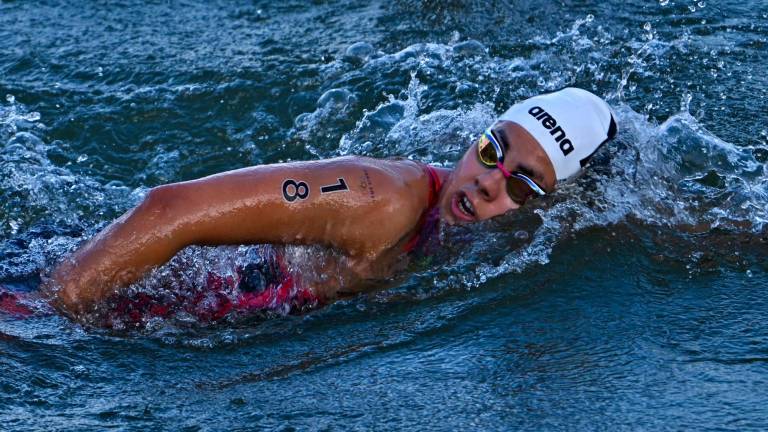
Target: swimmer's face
x,y
485,189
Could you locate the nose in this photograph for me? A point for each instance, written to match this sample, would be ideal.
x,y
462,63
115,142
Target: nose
x,y
489,184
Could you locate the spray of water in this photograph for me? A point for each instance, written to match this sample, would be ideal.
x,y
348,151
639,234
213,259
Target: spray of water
x,y
674,175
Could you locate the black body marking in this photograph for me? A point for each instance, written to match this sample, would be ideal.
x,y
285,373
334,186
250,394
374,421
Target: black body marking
x,y
336,187
365,183
293,190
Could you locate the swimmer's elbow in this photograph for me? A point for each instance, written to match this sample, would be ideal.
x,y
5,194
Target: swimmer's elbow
x,y
161,200
164,214
163,205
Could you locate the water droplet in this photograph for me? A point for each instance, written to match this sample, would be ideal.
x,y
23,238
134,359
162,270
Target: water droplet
x,y
78,370
685,102
701,4
647,26
10,98
590,18
663,2
521,235
82,158
360,50
749,273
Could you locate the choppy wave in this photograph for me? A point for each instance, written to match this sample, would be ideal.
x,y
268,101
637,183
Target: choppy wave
x,y
44,208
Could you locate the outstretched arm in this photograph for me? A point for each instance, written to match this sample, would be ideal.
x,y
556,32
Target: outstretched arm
x,y
358,205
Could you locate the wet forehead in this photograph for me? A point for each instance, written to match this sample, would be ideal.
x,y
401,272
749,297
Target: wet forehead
x,y
523,153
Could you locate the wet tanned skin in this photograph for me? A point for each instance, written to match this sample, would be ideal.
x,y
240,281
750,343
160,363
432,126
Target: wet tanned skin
x,y
369,221
247,206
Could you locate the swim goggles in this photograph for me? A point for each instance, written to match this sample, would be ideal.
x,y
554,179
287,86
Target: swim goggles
x,y
520,187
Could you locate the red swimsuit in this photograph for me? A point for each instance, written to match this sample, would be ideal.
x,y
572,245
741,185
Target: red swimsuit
x,y
430,218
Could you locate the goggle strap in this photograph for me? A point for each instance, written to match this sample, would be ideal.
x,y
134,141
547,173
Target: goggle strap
x,y
504,171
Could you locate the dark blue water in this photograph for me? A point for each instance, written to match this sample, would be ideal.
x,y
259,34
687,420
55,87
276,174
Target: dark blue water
x,y
633,299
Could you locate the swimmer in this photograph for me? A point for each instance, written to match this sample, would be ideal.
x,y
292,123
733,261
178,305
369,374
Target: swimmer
x,y
374,212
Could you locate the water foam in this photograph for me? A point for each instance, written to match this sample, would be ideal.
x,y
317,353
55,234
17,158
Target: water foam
x,y
44,208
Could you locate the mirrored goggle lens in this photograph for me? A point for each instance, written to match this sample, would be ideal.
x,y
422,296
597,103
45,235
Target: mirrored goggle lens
x,y
519,191
487,152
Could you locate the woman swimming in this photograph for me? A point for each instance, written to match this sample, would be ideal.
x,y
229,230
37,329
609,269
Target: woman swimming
x,y
374,212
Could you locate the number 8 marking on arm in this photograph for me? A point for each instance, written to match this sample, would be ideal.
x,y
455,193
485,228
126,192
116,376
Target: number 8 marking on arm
x,y
293,190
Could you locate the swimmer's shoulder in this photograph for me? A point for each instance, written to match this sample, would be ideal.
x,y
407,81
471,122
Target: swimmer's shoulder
x,y
381,179
392,194
399,183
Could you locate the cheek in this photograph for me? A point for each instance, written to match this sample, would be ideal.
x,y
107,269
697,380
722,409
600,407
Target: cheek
x,y
455,181
468,168
458,175
498,207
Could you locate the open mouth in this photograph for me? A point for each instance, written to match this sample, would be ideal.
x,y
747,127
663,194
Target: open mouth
x,y
463,207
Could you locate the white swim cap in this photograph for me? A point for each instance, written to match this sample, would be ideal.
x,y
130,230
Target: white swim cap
x,y
570,125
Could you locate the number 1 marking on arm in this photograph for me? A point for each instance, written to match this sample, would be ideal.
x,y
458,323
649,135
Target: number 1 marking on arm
x,y
336,187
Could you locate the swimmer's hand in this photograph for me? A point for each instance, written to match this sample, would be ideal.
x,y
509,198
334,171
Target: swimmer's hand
x,y
360,206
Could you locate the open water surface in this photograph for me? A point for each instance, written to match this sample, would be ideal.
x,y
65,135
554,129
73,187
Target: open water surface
x,y
632,299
